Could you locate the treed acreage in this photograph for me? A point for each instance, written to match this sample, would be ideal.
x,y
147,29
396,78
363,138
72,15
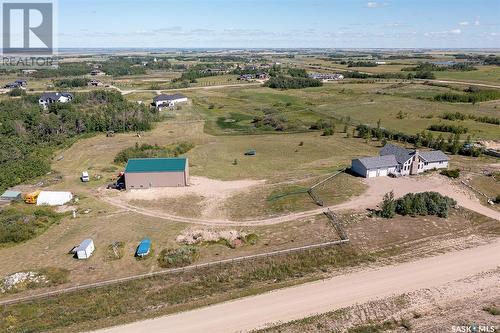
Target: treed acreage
x,y
175,130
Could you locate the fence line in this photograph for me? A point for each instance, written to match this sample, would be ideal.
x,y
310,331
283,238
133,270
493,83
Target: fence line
x,y
170,271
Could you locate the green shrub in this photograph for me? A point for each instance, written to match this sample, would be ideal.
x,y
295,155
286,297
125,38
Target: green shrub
x,y
182,256
451,173
425,203
152,151
251,239
492,310
497,199
455,129
17,92
21,224
388,209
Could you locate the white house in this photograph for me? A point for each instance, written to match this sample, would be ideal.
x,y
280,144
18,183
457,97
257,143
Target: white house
x,y
85,249
168,100
48,98
399,161
325,77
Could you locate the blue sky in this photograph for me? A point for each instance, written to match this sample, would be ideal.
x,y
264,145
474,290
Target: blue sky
x,y
280,23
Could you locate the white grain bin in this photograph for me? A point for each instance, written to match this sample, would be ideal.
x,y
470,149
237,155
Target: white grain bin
x,y
85,249
53,198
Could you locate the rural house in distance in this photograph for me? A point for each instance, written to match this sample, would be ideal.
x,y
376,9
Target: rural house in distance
x,y
48,98
168,100
397,160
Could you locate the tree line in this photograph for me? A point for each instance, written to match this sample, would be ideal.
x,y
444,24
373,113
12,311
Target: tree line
x,y
30,134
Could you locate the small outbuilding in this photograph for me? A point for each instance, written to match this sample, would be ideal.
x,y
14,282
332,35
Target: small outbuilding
x,y
53,198
11,196
144,248
85,249
142,173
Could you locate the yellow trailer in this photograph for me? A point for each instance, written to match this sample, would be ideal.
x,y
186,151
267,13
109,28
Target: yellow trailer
x,y
30,198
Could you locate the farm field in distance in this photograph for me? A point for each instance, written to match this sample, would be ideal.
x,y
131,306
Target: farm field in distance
x,y
269,152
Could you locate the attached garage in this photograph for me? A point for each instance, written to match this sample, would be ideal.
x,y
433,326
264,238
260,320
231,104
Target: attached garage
x,y
143,173
383,172
376,166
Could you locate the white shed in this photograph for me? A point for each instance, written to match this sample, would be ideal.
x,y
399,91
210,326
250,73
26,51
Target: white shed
x,y
53,198
85,249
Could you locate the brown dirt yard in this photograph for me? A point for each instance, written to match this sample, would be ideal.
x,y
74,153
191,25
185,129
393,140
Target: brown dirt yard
x,y
377,188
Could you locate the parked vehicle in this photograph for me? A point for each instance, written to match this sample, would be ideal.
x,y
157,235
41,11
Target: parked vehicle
x,y
85,177
31,198
251,152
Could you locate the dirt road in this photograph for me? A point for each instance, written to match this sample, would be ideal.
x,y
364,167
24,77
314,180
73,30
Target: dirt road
x,y
323,296
377,187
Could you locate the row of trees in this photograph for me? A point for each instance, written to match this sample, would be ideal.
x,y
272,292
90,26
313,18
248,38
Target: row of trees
x,y
456,129
452,144
453,116
71,83
414,204
286,82
473,97
430,67
149,151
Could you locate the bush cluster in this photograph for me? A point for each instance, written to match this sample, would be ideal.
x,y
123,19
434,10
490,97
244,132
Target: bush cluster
x,y
455,129
19,225
286,82
150,151
414,204
451,173
179,257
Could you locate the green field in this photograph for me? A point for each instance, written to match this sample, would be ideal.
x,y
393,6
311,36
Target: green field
x,y
484,74
232,110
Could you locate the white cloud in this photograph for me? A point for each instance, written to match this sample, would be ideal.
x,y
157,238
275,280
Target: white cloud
x,y
373,4
464,23
477,22
443,33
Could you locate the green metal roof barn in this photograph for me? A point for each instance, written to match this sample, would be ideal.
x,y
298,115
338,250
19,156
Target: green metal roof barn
x,y
141,173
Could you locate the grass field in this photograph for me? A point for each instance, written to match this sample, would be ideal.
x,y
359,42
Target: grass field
x,y
171,293
484,74
232,110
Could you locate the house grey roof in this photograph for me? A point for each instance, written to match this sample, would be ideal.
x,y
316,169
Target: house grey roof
x,y
434,156
164,97
402,154
378,162
54,96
